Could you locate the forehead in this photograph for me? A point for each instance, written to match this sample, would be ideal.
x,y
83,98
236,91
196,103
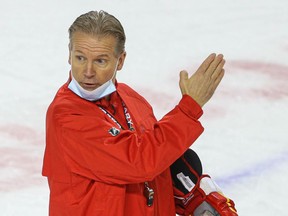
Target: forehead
x,y
90,43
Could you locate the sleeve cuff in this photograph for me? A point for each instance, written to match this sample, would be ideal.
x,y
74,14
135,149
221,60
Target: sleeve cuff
x,y
190,107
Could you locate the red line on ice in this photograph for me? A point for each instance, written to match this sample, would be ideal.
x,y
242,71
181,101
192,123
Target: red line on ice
x,y
20,157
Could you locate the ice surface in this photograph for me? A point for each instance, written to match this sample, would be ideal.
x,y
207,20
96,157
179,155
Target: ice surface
x,y
244,147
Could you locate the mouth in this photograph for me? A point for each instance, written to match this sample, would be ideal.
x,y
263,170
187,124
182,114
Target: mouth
x,y
89,86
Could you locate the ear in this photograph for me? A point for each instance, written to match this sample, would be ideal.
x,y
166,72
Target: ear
x,y
69,59
121,60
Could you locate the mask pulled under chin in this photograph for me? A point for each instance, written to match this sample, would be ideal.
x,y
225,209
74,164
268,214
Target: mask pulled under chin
x,y
100,92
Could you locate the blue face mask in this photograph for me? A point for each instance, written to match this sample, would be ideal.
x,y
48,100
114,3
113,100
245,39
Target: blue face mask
x,y
98,93
105,89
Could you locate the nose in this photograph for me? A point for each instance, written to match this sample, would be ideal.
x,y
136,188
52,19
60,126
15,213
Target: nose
x,y
89,70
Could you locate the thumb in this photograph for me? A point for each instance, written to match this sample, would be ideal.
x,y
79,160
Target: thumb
x,y
183,75
182,82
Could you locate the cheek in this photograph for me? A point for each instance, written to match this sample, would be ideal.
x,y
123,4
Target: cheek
x,y
76,72
104,73
107,75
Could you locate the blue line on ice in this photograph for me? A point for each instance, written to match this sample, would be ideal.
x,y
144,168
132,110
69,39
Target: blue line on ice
x,y
269,164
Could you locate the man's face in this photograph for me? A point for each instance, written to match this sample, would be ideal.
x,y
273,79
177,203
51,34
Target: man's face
x,y
93,60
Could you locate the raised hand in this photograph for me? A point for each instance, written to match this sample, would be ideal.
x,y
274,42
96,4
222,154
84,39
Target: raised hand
x,y
203,83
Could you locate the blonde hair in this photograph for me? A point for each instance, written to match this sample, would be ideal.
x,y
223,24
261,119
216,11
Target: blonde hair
x,y
99,24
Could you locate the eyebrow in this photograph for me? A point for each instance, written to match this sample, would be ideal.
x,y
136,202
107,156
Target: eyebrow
x,y
79,51
101,55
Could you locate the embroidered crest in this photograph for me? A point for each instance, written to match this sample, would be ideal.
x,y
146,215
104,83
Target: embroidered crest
x,y
114,131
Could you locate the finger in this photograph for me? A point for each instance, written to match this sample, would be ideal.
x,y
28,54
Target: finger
x,y
219,78
216,83
206,63
218,69
212,67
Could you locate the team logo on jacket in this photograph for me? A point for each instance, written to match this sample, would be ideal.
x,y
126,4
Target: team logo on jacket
x,y
114,131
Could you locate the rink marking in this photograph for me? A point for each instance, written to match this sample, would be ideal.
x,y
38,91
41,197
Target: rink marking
x,y
276,88
267,165
20,157
20,133
20,168
277,74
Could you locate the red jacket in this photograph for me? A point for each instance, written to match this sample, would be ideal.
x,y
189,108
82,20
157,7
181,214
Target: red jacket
x,y
91,173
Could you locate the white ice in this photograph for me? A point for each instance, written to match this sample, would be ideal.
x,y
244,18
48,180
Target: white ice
x,y
244,146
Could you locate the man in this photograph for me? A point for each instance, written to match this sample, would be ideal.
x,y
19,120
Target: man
x,y
106,154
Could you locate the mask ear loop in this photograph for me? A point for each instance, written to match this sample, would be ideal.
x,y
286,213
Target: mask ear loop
x,y
115,70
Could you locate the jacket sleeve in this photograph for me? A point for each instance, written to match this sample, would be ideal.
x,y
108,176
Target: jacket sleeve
x,y
130,157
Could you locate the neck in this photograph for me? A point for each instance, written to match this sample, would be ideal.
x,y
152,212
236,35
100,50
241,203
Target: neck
x,y
108,97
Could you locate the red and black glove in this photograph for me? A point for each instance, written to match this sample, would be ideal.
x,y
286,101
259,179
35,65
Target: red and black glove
x,y
197,194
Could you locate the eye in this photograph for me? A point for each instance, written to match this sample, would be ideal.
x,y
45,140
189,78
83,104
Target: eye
x,y
80,58
101,61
